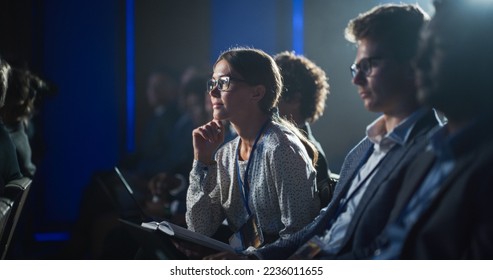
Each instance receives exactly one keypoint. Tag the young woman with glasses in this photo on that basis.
(263, 182)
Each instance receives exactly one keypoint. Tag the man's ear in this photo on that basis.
(259, 92)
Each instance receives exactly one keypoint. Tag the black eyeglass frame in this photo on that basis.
(222, 83)
(365, 65)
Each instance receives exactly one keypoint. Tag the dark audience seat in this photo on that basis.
(11, 205)
(326, 189)
(5, 210)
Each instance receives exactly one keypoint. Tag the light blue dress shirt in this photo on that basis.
(383, 142)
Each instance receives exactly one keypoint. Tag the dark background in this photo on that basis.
(81, 47)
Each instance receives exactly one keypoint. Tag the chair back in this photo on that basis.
(326, 189)
(5, 210)
(14, 196)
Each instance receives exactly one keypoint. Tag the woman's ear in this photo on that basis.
(259, 92)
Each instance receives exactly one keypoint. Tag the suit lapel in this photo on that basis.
(411, 183)
(387, 167)
(395, 158)
(351, 164)
(459, 169)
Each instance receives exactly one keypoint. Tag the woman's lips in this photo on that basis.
(216, 105)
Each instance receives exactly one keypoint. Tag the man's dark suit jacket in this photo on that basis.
(375, 205)
(459, 222)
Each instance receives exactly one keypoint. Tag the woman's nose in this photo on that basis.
(215, 92)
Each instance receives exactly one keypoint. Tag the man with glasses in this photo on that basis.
(387, 39)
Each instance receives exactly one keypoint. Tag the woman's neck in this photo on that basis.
(248, 132)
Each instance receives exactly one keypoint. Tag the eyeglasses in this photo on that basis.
(222, 83)
(365, 65)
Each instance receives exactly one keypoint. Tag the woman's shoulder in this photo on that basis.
(280, 138)
(228, 148)
(282, 134)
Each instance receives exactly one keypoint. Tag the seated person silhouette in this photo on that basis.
(160, 149)
(9, 165)
(303, 102)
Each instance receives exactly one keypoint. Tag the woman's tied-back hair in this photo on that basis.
(21, 95)
(397, 25)
(4, 78)
(304, 79)
(257, 68)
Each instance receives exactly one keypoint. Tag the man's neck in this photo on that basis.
(395, 118)
(391, 122)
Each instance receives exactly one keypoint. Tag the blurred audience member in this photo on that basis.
(163, 147)
(157, 150)
(303, 102)
(9, 165)
(17, 114)
(169, 189)
(444, 208)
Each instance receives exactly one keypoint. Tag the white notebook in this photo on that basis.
(188, 235)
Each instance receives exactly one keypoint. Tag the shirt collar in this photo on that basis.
(447, 145)
(377, 133)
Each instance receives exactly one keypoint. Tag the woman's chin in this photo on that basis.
(218, 116)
